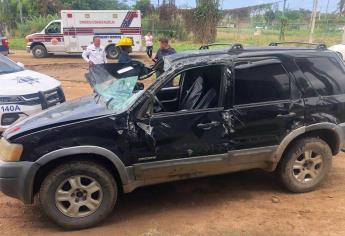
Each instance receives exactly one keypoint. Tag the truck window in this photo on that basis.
(262, 83)
(54, 28)
(325, 74)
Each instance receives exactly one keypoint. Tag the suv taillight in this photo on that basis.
(4, 42)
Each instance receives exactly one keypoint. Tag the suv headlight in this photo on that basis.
(10, 152)
(9, 99)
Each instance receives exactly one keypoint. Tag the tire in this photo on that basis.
(39, 51)
(69, 213)
(305, 165)
(113, 52)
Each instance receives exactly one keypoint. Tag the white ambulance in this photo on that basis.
(76, 29)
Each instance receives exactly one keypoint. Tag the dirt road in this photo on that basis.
(248, 203)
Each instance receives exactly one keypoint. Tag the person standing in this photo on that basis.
(164, 49)
(125, 44)
(149, 44)
(95, 53)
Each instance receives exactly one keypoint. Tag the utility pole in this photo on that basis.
(282, 24)
(312, 22)
(20, 6)
(284, 7)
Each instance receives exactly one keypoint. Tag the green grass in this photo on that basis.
(245, 36)
(17, 43)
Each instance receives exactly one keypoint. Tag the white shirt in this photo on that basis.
(96, 55)
(148, 40)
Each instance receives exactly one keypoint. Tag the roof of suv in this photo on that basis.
(244, 51)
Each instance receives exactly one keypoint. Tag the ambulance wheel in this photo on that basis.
(113, 52)
(39, 51)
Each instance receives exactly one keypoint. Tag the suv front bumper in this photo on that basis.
(16, 179)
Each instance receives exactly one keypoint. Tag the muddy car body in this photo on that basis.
(223, 111)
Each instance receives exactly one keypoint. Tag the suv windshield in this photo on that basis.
(115, 86)
(8, 66)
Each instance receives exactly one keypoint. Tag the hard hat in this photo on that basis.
(125, 42)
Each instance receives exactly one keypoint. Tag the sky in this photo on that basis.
(291, 4)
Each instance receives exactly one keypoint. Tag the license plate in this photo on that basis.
(10, 108)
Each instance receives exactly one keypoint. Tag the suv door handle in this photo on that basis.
(289, 115)
(208, 126)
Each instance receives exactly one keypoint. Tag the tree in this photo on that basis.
(341, 7)
(144, 6)
(269, 17)
(203, 20)
(95, 5)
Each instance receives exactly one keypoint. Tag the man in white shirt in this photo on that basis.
(149, 44)
(95, 53)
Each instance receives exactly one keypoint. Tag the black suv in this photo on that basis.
(210, 112)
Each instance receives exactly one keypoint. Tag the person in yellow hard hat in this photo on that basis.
(125, 45)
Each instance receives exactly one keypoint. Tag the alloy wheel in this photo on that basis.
(78, 196)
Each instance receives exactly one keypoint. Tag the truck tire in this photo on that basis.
(78, 194)
(39, 51)
(113, 52)
(305, 165)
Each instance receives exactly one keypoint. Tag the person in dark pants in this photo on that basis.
(149, 44)
(164, 50)
(125, 45)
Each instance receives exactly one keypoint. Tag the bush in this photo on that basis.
(34, 24)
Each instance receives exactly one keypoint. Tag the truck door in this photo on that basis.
(70, 33)
(263, 107)
(54, 41)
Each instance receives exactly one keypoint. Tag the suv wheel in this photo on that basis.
(39, 51)
(113, 52)
(78, 194)
(305, 165)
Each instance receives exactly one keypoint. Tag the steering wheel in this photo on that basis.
(159, 104)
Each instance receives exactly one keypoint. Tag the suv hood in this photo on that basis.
(26, 82)
(80, 109)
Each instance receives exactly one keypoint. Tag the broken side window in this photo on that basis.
(193, 89)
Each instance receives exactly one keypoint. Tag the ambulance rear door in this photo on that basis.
(70, 31)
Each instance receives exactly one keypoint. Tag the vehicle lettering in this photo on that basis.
(10, 108)
(27, 80)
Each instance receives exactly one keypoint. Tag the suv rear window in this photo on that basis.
(325, 74)
(262, 83)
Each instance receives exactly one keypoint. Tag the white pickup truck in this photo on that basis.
(76, 29)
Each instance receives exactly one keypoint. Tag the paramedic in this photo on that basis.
(95, 53)
(125, 45)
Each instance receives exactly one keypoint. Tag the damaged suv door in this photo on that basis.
(263, 103)
(194, 137)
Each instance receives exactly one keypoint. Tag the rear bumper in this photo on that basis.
(16, 179)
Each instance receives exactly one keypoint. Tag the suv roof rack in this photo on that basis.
(320, 46)
(207, 46)
(236, 46)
